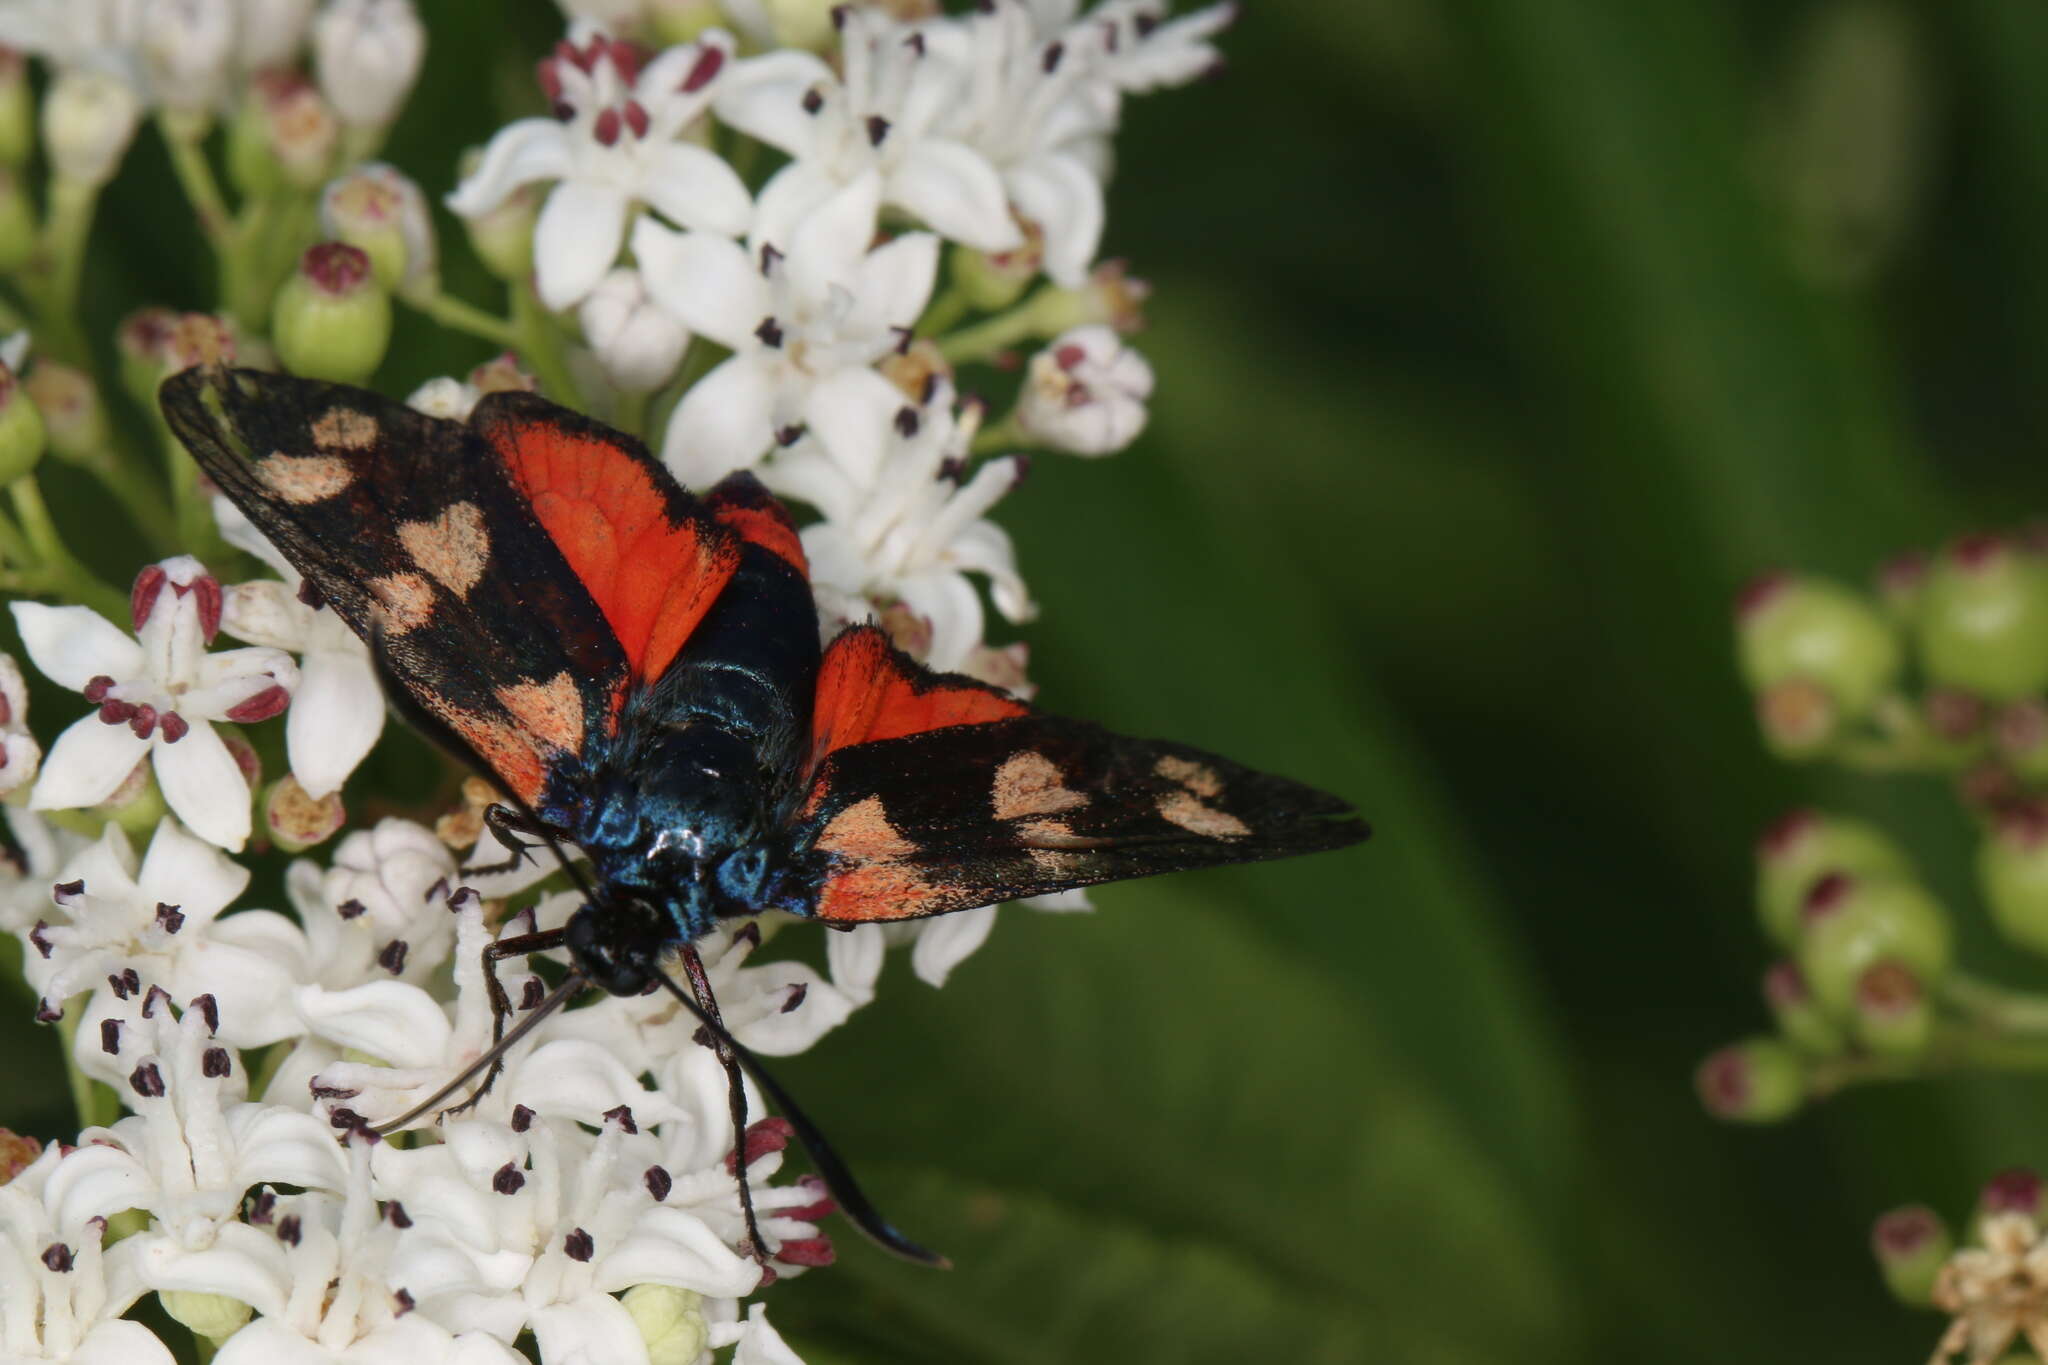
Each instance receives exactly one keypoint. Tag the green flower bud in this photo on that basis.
(1853, 923)
(1911, 1245)
(379, 209)
(140, 339)
(1901, 583)
(137, 805)
(296, 821)
(1759, 1080)
(1111, 296)
(1809, 630)
(212, 1316)
(17, 109)
(1894, 1017)
(17, 222)
(72, 412)
(1803, 1022)
(283, 137)
(996, 279)
(2012, 868)
(1798, 718)
(503, 236)
(2020, 734)
(671, 1322)
(1801, 848)
(1984, 620)
(332, 320)
(683, 21)
(21, 429)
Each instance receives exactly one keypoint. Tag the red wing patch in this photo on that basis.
(742, 504)
(626, 530)
(868, 690)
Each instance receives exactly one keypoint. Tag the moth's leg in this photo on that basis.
(736, 1101)
(506, 825)
(501, 1003)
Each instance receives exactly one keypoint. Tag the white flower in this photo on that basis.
(156, 696)
(1085, 393)
(757, 1342)
(796, 315)
(118, 931)
(271, 32)
(389, 889)
(89, 119)
(899, 523)
(194, 1144)
(25, 881)
(618, 143)
(637, 344)
(64, 1295)
(20, 755)
(445, 397)
(186, 45)
(366, 54)
(337, 710)
(877, 121)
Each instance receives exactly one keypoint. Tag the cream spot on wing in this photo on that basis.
(303, 479)
(552, 711)
(1185, 809)
(863, 831)
(405, 601)
(345, 429)
(1198, 778)
(1029, 783)
(453, 548)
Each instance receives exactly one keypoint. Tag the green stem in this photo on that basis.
(450, 311)
(15, 549)
(66, 232)
(540, 346)
(945, 311)
(70, 577)
(195, 177)
(1008, 432)
(1997, 1008)
(632, 414)
(1953, 1049)
(986, 339)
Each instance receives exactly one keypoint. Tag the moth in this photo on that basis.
(639, 669)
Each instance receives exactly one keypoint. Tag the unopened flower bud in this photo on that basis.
(271, 33)
(17, 222)
(17, 1153)
(378, 208)
(1800, 1018)
(1760, 1080)
(447, 398)
(502, 236)
(140, 340)
(1803, 846)
(671, 1322)
(1984, 620)
(137, 805)
(186, 46)
(996, 279)
(1798, 718)
(1817, 632)
(502, 373)
(89, 119)
(1894, 1017)
(17, 109)
(2017, 1189)
(283, 136)
(2012, 868)
(196, 339)
(1110, 298)
(637, 343)
(214, 1317)
(73, 415)
(1852, 923)
(1911, 1245)
(1086, 393)
(21, 429)
(683, 21)
(21, 758)
(332, 320)
(296, 821)
(367, 55)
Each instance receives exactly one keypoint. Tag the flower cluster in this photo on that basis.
(934, 218)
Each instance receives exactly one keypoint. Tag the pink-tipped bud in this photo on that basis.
(1757, 1081)
(1983, 619)
(1893, 1014)
(296, 821)
(1911, 1244)
(1826, 897)
(2012, 868)
(17, 1153)
(332, 320)
(2017, 1189)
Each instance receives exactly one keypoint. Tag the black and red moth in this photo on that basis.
(639, 669)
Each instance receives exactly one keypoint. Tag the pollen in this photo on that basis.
(303, 479)
(863, 831)
(452, 549)
(1029, 783)
(552, 711)
(345, 429)
(405, 601)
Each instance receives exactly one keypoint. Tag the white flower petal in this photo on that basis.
(697, 189)
(522, 152)
(851, 414)
(827, 246)
(286, 1147)
(90, 760)
(895, 283)
(592, 1330)
(764, 98)
(336, 715)
(1065, 199)
(189, 873)
(265, 612)
(576, 240)
(855, 960)
(957, 193)
(574, 1079)
(760, 1344)
(947, 941)
(670, 1246)
(723, 423)
(388, 1020)
(121, 1342)
(709, 283)
(204, 787)
(74, 645)
(790, 195)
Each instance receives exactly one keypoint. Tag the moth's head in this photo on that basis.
(618, 943)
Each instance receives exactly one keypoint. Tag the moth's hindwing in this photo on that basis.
(969, 811)
(412, 531)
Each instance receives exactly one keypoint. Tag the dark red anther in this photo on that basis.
(262, 706)
(824, 1207)
(158, 998)
(878, 128)
(401, 1303)
(747, 936)
(351, 908)
(708, 64)
(38, 940)
(173, 726)
(115, 712)
(627, 58)
(906, 422)
(768, 1275)
(563, 110)
(606, 129)
(395, 1211)
(839, 16)
(47, 1013)
(330, 1092)
(2015, 1190)
(147, 1081)
(636, 118)
(149, 584)
(343, 1119)
(1069, 358)
(580, 1246)
(1050, 62)
(110, 1037)
(532, 994)
(209, 1010)
(508, 1179)
(769, 332)
(288, 1229)
(549, 79)
(790, 435)
(770, 255)
(522, 1118)
(915, 42)
(97, 689)
(770, 1134)
(808, 1251)
(309, 593)
(215, 1063)
(263, 1207)
(659, 1183)
(392, 958)
(206, 588)
(56, 1258)
(814, 100)
(624, 1117)
(797, 992)
(143, 722)
(116, 984)
(1145, 23)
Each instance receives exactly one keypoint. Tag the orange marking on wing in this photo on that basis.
(654, 578)
(866, 692)
(505, 749)
(768, 528)
(877, 891)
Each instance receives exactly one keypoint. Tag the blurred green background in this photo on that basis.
(1498, 342)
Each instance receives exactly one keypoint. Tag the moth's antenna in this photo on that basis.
(571, 984)
(845, 1190)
